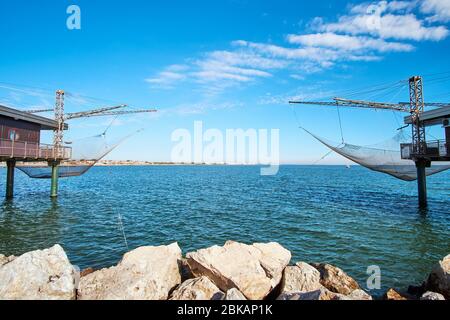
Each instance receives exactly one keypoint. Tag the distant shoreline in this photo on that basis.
(134, 163)
(112, 163)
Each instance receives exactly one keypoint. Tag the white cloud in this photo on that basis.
(388, 26)
(366, 33)
(383, 6)
(346, 42)
(249, 59)
(322, 56)
(440, 10)
(233, 67)
(308, 53)
(226, 68)
(170, 76)
(297, 77)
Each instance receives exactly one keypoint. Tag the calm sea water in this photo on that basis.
(352, 218)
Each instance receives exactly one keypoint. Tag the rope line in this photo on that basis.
(340, 122)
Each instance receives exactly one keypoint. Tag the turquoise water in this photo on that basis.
(352, 218)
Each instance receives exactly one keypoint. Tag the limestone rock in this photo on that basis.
(234, 294)
(320, 294)
(38, 275)
(197, 289)
(392, 294)
(324, 294)
(432, 296)
(359, 294)
(273, 258)
(300, 278)
(185, 270)
(146, 273)
(4, 259)
(253, 269)
(335, 279)
(439, 278)
(86, 272)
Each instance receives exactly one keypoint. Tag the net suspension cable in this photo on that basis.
(385, 158)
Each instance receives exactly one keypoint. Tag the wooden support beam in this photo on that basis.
(54, 181)
(422, 183)
(10, 164)
(447, 139)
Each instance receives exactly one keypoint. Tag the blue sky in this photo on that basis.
(230, 63)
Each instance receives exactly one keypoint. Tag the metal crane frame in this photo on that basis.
(415, 107)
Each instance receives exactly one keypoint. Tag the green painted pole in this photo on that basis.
(54, 186)
(422, 183)
(11, 164)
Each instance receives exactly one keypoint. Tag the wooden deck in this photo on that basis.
(30, 152)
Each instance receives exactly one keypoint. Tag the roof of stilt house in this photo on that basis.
(45, 123)
(432, 117)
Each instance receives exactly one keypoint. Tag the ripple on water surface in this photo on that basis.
(351, 218)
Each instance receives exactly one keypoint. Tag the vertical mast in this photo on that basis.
(416, 108)
(418, 137)
(59, 118)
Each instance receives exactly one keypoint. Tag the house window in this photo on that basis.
(13, 135)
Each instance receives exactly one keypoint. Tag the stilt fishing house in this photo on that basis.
(20, 140)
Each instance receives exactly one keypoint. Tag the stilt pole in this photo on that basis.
(422, 183)
(11, 164)
(54, 185)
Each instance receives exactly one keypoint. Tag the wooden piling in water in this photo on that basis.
(11, 164)
(422, 183)
(54, 182)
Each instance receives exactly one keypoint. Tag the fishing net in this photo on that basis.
(85, 154)
(382, 157)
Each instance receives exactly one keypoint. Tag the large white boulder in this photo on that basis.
(323, 293)
(300, 278)
(38, 275)
(146, 273)
(253, 269)
(197, 289)
(439, 278)
(4, 259)
(335, 279)
(359, 294)
(432, 296)
(234, 295)
(319, 294)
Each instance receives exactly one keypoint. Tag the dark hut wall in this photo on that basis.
(19, 130)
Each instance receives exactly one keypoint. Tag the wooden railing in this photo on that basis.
(31, 150)
(436, 148)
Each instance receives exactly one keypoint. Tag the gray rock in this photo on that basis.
(197, 289)
(4, 259)
(320, 294)
(335, 279)
(359, 294)
(300, 278)
(439, 278)
(146, 273)
(38, 275)
(234, 294)
(432, 296)
(253, 269)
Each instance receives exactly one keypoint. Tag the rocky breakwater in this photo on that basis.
(234, 271)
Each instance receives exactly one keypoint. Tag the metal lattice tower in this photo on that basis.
(416, 108)
(59, 117)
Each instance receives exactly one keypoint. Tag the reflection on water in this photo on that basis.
(351, 218)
